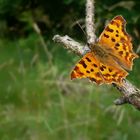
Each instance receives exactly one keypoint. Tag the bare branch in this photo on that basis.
(131, 94)
(90, 27)
(71, 44)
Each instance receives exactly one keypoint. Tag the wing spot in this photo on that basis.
(88, 59)
(114, 75)
(105, 35)
(115, 23)
(116, 47)
(87, 71)
(131, 57)
(113, 79)
(93, 79)
(107, 75)
(127, 53)
(82, 62)
(122, 39)
(126, 56)
(95, 65)
(113, 40)
(121, 52)
(73, 75)
(103, 66)
(81, 74)
(117, 44)
(97, 74)
(117, 31)
(117, 35)
(124, 47)
(109, 29)
(77, 70)
(91, 70)
(119, 18)
(110, 70)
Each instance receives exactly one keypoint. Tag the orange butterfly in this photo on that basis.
(109, 57)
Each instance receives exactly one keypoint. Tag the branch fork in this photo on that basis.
(130, 94)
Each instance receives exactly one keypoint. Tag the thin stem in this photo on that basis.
(48, 54)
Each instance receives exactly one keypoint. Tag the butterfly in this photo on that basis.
(111, 56)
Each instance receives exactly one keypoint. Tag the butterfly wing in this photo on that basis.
(112, 72)
(88, 67)
(116, 41)
(98, 71)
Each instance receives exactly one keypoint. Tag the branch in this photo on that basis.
(130, 94)
(71, 44)
(90, 27)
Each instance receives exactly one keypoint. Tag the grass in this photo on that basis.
(38, 101)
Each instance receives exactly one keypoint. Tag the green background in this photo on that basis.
(38, 101)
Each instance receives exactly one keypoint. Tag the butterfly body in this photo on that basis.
(99, 51)
(110, 56)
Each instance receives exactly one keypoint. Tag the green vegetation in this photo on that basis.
(38, 101)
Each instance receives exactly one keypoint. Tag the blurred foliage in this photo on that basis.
(38, 101)
(62, 16)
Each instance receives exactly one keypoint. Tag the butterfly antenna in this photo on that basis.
(77, 22)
